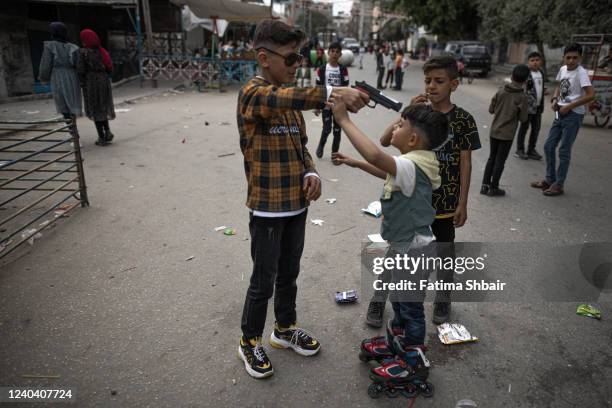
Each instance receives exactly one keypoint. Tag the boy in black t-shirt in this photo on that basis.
(455, 157)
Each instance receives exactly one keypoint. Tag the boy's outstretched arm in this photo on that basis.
(340, 158)
(266, 101)
(362, 143)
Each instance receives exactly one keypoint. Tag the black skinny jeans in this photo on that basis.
(276, 250)
(535, 122)
(328, 123)
(497, 159)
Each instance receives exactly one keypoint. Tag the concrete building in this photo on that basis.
(24, 26)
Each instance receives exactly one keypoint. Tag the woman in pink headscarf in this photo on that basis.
(94, 68)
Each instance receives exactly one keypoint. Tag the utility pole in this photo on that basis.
(146, 9)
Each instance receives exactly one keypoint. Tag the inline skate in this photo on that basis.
(406, 374)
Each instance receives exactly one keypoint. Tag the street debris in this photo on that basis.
(349, 296)
(374, 208)
(224, 123)
(31, 112)
(226, 154)
(229, 231)
(190, 258)
(376, 238)
(512, 229)
(317, 222)
(588, 311)
(465, 403)
(123, 110)
(330, 200)
(332, 180)
(344, 230)
(454, 333)
(131, 268)
(185, 127)
(220, 228)
(206, 123)
(184, 140)
(5, 245)
(32, 233)
(62, 210)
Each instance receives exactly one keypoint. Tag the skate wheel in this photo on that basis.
(364, 357)
(426, 389)
(392, 392)
(410, 392)
(375, 390)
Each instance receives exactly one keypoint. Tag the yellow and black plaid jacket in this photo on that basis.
(273, 141)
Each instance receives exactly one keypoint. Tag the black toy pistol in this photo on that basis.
(377, 96)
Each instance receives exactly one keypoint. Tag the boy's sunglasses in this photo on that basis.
(290, 59)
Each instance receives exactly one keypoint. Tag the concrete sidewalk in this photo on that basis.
(44, 108)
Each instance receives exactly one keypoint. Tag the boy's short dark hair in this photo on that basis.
(444, 62)
(335, 46)
(274, 32)
(534, 54)
(520, 73)
(432, 124)
(573, 47)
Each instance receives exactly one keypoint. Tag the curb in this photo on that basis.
(49, 95)
(127, 101)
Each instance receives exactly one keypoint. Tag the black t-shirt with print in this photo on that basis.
(462, 135)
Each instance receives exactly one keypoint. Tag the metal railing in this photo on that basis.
(206, 72)
(41, 178)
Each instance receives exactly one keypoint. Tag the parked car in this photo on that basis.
(437, 49)
(350, 43)
(454, 47)
(476, 59)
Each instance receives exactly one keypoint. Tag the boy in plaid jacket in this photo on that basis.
(282, 181)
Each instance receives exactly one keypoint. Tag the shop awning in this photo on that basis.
(230, 10)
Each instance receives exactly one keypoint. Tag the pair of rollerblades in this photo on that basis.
(403, 370)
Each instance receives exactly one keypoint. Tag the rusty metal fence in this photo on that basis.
(41, 178)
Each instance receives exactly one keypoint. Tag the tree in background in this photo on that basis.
(395, 30)
(449, 19)
(318, 21)
(549, 22)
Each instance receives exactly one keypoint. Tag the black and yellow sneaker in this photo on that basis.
(295, 338)
(256, 361)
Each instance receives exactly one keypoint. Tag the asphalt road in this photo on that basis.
(109, 302)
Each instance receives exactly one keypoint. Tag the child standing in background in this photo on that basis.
(509, 106)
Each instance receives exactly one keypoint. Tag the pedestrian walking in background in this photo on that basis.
(380, 67)
(390, 68)
(303, 75)
(399, 70)
(94, 69)
(58, 65)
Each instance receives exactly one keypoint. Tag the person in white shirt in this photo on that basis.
(534, 89)
(572, 94)
(331, 74)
